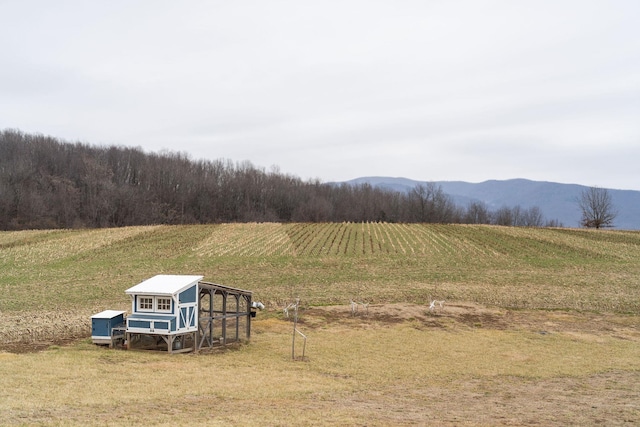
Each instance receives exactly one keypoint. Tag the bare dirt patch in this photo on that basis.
(469, 315)
(21, 333)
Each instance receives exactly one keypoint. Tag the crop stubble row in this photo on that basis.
(342, 239)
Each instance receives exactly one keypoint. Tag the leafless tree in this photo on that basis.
(430, 204)
(596, 208)
(533, 217)
(48, 183)
(503, 216)
(477, 213)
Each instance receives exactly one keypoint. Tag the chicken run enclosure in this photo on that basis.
(177, 314)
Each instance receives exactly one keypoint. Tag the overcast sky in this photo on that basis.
(428, 90)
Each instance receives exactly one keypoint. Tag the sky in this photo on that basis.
(430, 90)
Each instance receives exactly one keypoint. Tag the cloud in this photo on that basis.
(459, 90)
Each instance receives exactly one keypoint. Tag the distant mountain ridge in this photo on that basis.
(557, 201)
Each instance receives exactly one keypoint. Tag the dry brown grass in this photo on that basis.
(400, 365)
(540, 326)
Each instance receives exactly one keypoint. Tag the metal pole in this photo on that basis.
(293, 340)
(295, 329)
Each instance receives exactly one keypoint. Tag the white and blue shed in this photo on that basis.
(103, 324)
(178, 312)
(164, 304)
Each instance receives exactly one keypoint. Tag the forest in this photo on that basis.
(48, 183)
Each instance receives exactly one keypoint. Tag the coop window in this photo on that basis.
(163, 304)
(145, 303)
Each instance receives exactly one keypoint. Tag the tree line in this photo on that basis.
(46, 183)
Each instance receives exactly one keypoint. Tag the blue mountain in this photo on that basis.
(557, 201)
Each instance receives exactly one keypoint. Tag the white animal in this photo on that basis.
(432, 306)
(293, 305)
(355, 304)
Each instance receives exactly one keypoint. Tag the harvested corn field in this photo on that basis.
(537, 325)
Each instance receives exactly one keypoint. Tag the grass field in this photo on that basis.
(540, 326)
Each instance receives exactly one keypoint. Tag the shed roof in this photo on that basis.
(164, 284)
(107, 314)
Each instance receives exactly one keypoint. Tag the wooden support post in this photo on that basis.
(248, 333)
(224, 318)
(237, 317)
(211, 293)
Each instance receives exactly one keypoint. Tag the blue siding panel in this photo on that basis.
(160, 322)
(100, 328)
(139, 324)
(189, 295)
(161, 325)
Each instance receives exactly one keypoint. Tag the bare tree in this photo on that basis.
(49, 183)
(430, 204)
(477, 213)
(597, 208)
(533, 217)
(503, 216)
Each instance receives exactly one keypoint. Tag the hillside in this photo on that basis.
(557, 201)
(328, 263)
(536, 323)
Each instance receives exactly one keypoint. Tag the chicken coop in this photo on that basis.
(178, 314)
